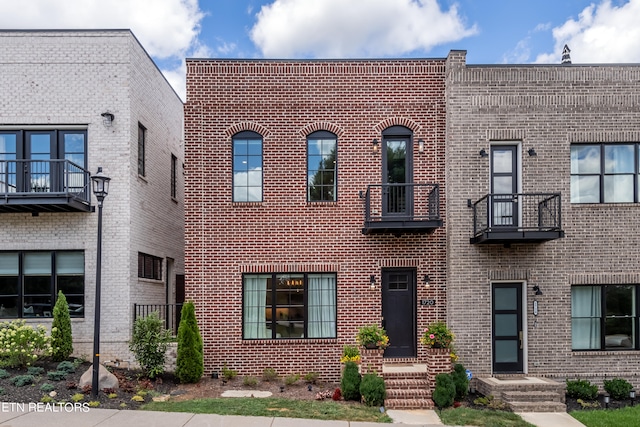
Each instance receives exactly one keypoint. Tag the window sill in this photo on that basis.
(598, 353)
(143, 179)
(150, 281)
(290, 341)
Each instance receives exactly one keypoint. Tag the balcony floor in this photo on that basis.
(516, 236)
(398, 227)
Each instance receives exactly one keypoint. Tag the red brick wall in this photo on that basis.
(284, 101)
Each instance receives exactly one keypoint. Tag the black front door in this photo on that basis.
(504, 186)
(507, 327)
(399, 312)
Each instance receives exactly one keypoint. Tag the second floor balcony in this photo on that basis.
(50, 185)
(402, 208)
(517, 218)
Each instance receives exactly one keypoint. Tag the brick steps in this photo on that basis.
(525, 394)
(407, 389)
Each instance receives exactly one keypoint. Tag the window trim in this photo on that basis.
(323, 135)
(275, 305)
(246, 135)
(156, 267)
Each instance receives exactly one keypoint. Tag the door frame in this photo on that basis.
(524, 354)
(412, 272)
(517, 175)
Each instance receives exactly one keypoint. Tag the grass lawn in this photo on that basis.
(627, 417)
(274, 407)
(482, 418)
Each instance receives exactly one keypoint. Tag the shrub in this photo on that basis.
(582, 389)
(249, 381)
(460, 380)
(337, 395)
(490, 402)
(190, 362)
(311, 377)
(445, 391)
(66, 366)
(77, 397)
(35, 370)
(228, 374)
(22, 380)
(291, 379)
(57, 375)
(618, 388)
(61, 339)
(350, 382)
(149, 344)
(350, 353)
(4, 374)
(46, 399)
(373, 390)
(22, 344)
(93, 404)
(46, 387)
(269, 374)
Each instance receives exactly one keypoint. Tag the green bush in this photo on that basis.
(46, 387)
(228, 373)
(4, 374)
(56, 375)
(149, 344)
(22, 344)
(291, 379)
(249, 381)
(373, 390)
(618, 388)
(582, 389)
(190, 361)
(35, 370)
(61, 339)
(269, 374)
(66, 366)
(311, 377)
(445, 391)
(350, 382)
(460, 380)
(22, 380)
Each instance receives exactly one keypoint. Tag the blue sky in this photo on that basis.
(491, 31)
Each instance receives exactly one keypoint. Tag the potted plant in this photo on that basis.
(372, 336)
(437, 335)
(350, 353)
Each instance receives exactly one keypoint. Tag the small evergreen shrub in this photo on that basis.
(35, 370)
(445, 391)
(618, 388)
(249, 381)
(291, 379)
(373, 390)
(46, 387)
(228, 374)
(56, 375)
(582, 389)
(4, 374)
(311, 377)
(460, 380)
(269, 374)
(66, 366)
(22, 380)
(350, 382)
(22, 344)
(190, 360)
(149, 344)
(61, 338)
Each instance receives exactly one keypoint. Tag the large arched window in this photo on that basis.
(247, 167)
(322, 167)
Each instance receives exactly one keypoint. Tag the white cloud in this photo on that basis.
(354, 28)
(603, 33)
(167, 29)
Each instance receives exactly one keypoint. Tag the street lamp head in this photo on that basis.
(100, 185)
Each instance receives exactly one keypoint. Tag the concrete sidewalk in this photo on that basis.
(13, 415)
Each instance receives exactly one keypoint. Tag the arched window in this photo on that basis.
(322, 167)
(247, 167)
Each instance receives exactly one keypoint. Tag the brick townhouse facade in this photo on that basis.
(542, 218)
(59, 91)
(314, 205)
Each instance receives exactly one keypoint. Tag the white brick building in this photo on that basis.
(55, 87)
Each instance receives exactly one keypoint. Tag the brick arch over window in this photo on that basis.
(313, 127)
(243, 126)
(396, 121)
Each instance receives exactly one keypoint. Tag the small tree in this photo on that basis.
(190, 361)
(445, 391)
(149, 344)
(460, 380)
(61, 339)
(350, 382)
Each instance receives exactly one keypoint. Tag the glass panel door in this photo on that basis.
(397, 197)
(38, 170)
(504, 186)
(507, 328)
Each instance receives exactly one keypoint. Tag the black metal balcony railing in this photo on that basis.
(402, 208)
(43, 185)
(169, 313)
(513, 218)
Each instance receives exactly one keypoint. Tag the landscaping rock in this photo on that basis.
(105, 379)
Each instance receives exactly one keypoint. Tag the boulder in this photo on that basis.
(105, 379)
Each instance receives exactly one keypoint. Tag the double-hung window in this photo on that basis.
(604, 317)
(247, 167)
(30, 281)
(285, 306)
(321, 167)
(149, 266)
(604, 173)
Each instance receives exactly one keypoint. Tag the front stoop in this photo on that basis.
(525, 394)
(407, 386)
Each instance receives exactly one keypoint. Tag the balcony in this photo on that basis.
(44, 186)
(517, 218)
(402, 209)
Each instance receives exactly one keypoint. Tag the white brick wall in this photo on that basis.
(71, 77)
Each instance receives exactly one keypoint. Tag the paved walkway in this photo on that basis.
(30, 415)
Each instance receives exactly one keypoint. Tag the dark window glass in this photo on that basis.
(174, 176)
(149, 266)
(142, 131)
(247, 167)
(321, 167)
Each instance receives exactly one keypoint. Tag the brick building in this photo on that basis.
(314, 205)
(542, 223)
(60, 90)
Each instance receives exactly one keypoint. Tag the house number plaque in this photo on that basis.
(427, 302)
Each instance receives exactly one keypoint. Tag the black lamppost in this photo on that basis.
(100, 189)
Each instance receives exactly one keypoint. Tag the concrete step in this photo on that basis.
(532, 396)
(547, 406)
